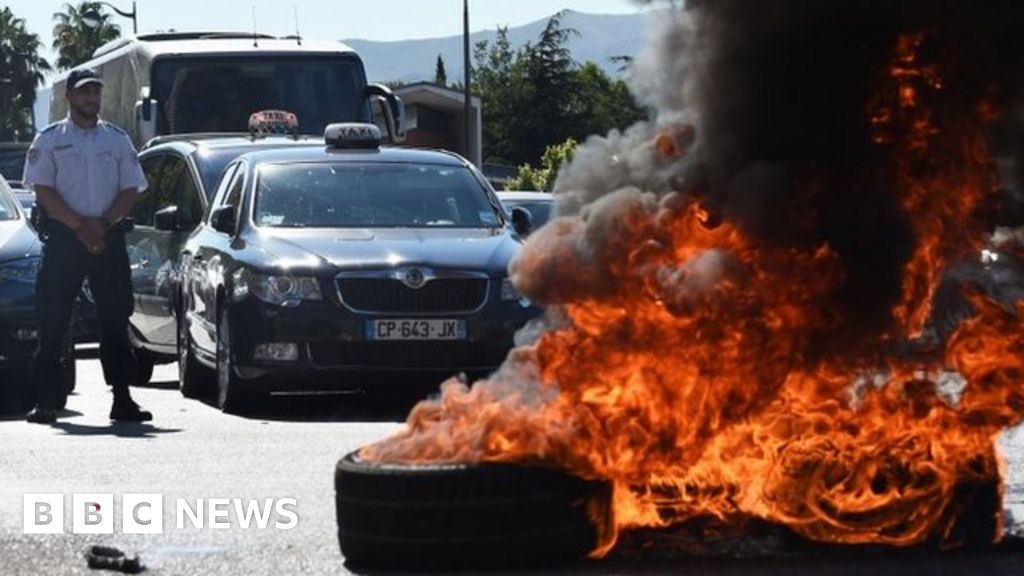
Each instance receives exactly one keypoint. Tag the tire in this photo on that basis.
(462, 516)
(234, 396)
(194, 379)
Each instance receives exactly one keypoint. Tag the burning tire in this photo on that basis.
(462, 516)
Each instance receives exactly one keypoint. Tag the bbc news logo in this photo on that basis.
(144, 513)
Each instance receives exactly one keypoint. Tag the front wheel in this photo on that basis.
(234, 395)
(193, 378)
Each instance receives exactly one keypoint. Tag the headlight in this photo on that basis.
(24, 270)
(280, 290)
(510, 294)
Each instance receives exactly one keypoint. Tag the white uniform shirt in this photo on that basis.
(87, 167)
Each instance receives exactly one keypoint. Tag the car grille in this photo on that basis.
(407, 355)
(441, 295)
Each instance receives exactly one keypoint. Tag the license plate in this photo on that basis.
(408, 329)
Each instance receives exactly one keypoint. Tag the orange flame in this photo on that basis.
(682, 360)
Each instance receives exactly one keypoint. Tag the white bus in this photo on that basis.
(204, 82)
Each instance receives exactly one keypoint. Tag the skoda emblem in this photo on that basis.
(414, 278)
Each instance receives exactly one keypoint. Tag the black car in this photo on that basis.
(182, 172)
(20, 252)
(324, 268)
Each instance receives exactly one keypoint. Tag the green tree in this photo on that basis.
(602, 103)
(440, 74)
(550, 70)
(538, 96)
(74, 40)
(500, 80)
(21, 71)
(542, 179)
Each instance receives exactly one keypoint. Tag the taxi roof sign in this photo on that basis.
(352, 135)
(266, 122)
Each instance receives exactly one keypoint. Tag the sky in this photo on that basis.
(323, 19)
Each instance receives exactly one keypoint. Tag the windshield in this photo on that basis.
(371, 195)
(8, 210)
(219, 94)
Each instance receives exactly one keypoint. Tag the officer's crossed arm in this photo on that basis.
(88, 230)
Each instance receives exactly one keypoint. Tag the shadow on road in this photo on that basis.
(119, 429)
(19, 413)
(351, 407)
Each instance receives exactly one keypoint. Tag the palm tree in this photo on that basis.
(74, 40)
(21, 70)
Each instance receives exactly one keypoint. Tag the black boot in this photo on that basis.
(125, 409)
(40, 415)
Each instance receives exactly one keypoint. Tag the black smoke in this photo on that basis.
(780, 93)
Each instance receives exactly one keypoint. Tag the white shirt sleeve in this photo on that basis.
(130, 174)
(40, 167)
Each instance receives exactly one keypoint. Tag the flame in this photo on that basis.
(682, 359)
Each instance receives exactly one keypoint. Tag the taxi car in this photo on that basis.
(182, 171)
(320, 268)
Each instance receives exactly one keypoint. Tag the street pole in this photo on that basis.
(467, 106)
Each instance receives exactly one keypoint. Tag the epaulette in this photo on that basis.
(116, 128)
(50, 127)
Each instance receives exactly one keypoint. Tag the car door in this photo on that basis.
(205, 265)
(175, 220)
(141, 242)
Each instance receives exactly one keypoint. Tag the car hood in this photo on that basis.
(484, 250)
(17, 240)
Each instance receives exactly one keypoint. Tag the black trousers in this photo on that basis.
(65, 264)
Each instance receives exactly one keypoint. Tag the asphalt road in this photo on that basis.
(191, 450)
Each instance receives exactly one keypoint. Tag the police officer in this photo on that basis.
(86, 177)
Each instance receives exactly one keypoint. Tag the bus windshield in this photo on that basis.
(218, 94)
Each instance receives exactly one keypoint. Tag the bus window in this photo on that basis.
(218, 94)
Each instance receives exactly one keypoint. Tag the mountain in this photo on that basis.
(600, 38)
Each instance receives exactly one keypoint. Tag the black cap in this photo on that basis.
(81, 77)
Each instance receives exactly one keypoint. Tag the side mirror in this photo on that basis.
(391, 108)
(522, 221)
(166, 219)
(224, 219)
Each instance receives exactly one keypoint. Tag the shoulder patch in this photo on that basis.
(33, 155)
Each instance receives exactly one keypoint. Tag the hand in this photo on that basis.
(90, 233)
